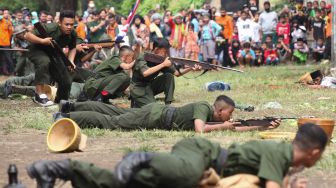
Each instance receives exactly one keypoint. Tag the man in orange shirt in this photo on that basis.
(81, 28)
(226, 22)
(327, 52)
(6, 32)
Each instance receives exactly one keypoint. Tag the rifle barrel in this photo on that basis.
(14, 49)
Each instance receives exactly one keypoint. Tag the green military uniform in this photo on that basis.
(151, 116)
(108, 76)
(189, 158)
(24, 85)
(95, 37)
(143, 89)
(45, 70)
(267, 160)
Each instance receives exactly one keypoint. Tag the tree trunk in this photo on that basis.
(58, 5)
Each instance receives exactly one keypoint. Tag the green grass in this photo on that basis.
(252, 88)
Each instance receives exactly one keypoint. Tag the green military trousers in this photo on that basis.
(95, 114)
(114, 84)
(47, 71)
(100, 107)
(20, 85)
(144, 94)
(182, 168)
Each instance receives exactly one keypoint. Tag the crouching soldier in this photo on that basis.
(110, 79)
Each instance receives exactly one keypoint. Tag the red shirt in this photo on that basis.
(283, 29)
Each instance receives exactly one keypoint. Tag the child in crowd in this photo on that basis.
(318, 26)
(269, 41)
(234, 52)
(220, 47)
(191, 46)
(246, 55)
(283, 28)
(257, 32)
(259, 56)
(300, 51)
(318, 50)
(283, 49)
(235, 35)
(271, 55)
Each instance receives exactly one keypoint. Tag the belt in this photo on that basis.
(169, 116)
(221, 160)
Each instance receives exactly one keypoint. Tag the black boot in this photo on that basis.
(46, 172)
(66, 106)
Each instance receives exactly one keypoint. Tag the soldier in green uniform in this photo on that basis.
(98, 26)
(185, 165)
(110, 79)
(192, 116)
(45, 71)
(146, 81)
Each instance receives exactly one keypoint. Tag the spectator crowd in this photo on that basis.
(248, 37)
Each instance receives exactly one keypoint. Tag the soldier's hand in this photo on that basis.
(274, 124)
(197, 67)
(299, 182)
(47, 41)
(167, 62)
(97, 47)
(81, 47)
(230, 125)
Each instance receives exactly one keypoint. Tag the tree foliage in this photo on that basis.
(121, 6)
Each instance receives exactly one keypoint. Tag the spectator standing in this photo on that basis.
(191, 43)
(268, 21)
(156, 29)
(226, 22)
(43, 16)
(112, 29)
(50, 18)
(6, 32)
(253, 7)
(209, 31)
(244, 26)
(329, 18)
(283, 28)
(191, 19)
(97, 27)
(140, 34)
(81, 28)
(18, 18)
(178, 32)
(257, 32)
(318, 26)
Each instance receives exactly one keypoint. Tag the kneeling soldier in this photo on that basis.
(110, 79)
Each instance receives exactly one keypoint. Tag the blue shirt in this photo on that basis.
(215, 30)
(243, 53)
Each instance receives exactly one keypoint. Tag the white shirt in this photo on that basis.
(256, 32)
(268, 22)
(245, 31)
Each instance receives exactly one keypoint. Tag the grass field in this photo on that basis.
(23, 125)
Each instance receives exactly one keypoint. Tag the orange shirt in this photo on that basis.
(81, 30)
(6, 32)
(112, 31)
(227, 23)
(329, 25)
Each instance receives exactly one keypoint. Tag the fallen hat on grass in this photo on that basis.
(65, 136)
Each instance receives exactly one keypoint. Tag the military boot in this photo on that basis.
(46, 172)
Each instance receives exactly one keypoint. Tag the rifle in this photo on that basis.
(153, 58)
(103, 43)
(51, 50)
(14, 49)
(266, 121)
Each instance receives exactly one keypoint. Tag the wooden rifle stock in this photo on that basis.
(153, 58)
